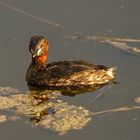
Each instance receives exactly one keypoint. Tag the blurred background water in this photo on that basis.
(19, 20)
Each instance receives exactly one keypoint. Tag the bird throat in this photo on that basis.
(40, 60)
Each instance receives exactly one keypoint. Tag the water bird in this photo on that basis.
(63, 74)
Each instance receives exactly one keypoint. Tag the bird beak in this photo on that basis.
(34, 55)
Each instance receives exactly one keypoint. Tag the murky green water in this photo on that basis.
(91, 17)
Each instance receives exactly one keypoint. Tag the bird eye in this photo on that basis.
(39, 51)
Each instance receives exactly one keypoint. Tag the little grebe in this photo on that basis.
(63, 73)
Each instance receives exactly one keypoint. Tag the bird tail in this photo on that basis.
(111, 72)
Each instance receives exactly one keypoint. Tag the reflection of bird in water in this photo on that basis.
(63, 74)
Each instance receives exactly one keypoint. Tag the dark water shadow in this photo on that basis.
(68, 90)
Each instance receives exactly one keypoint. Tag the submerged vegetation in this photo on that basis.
(44, 108)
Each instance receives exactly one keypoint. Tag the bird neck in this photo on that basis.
(40, 61)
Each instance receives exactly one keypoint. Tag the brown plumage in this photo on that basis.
(69, 74)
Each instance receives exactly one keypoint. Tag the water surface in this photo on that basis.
(91, 17)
